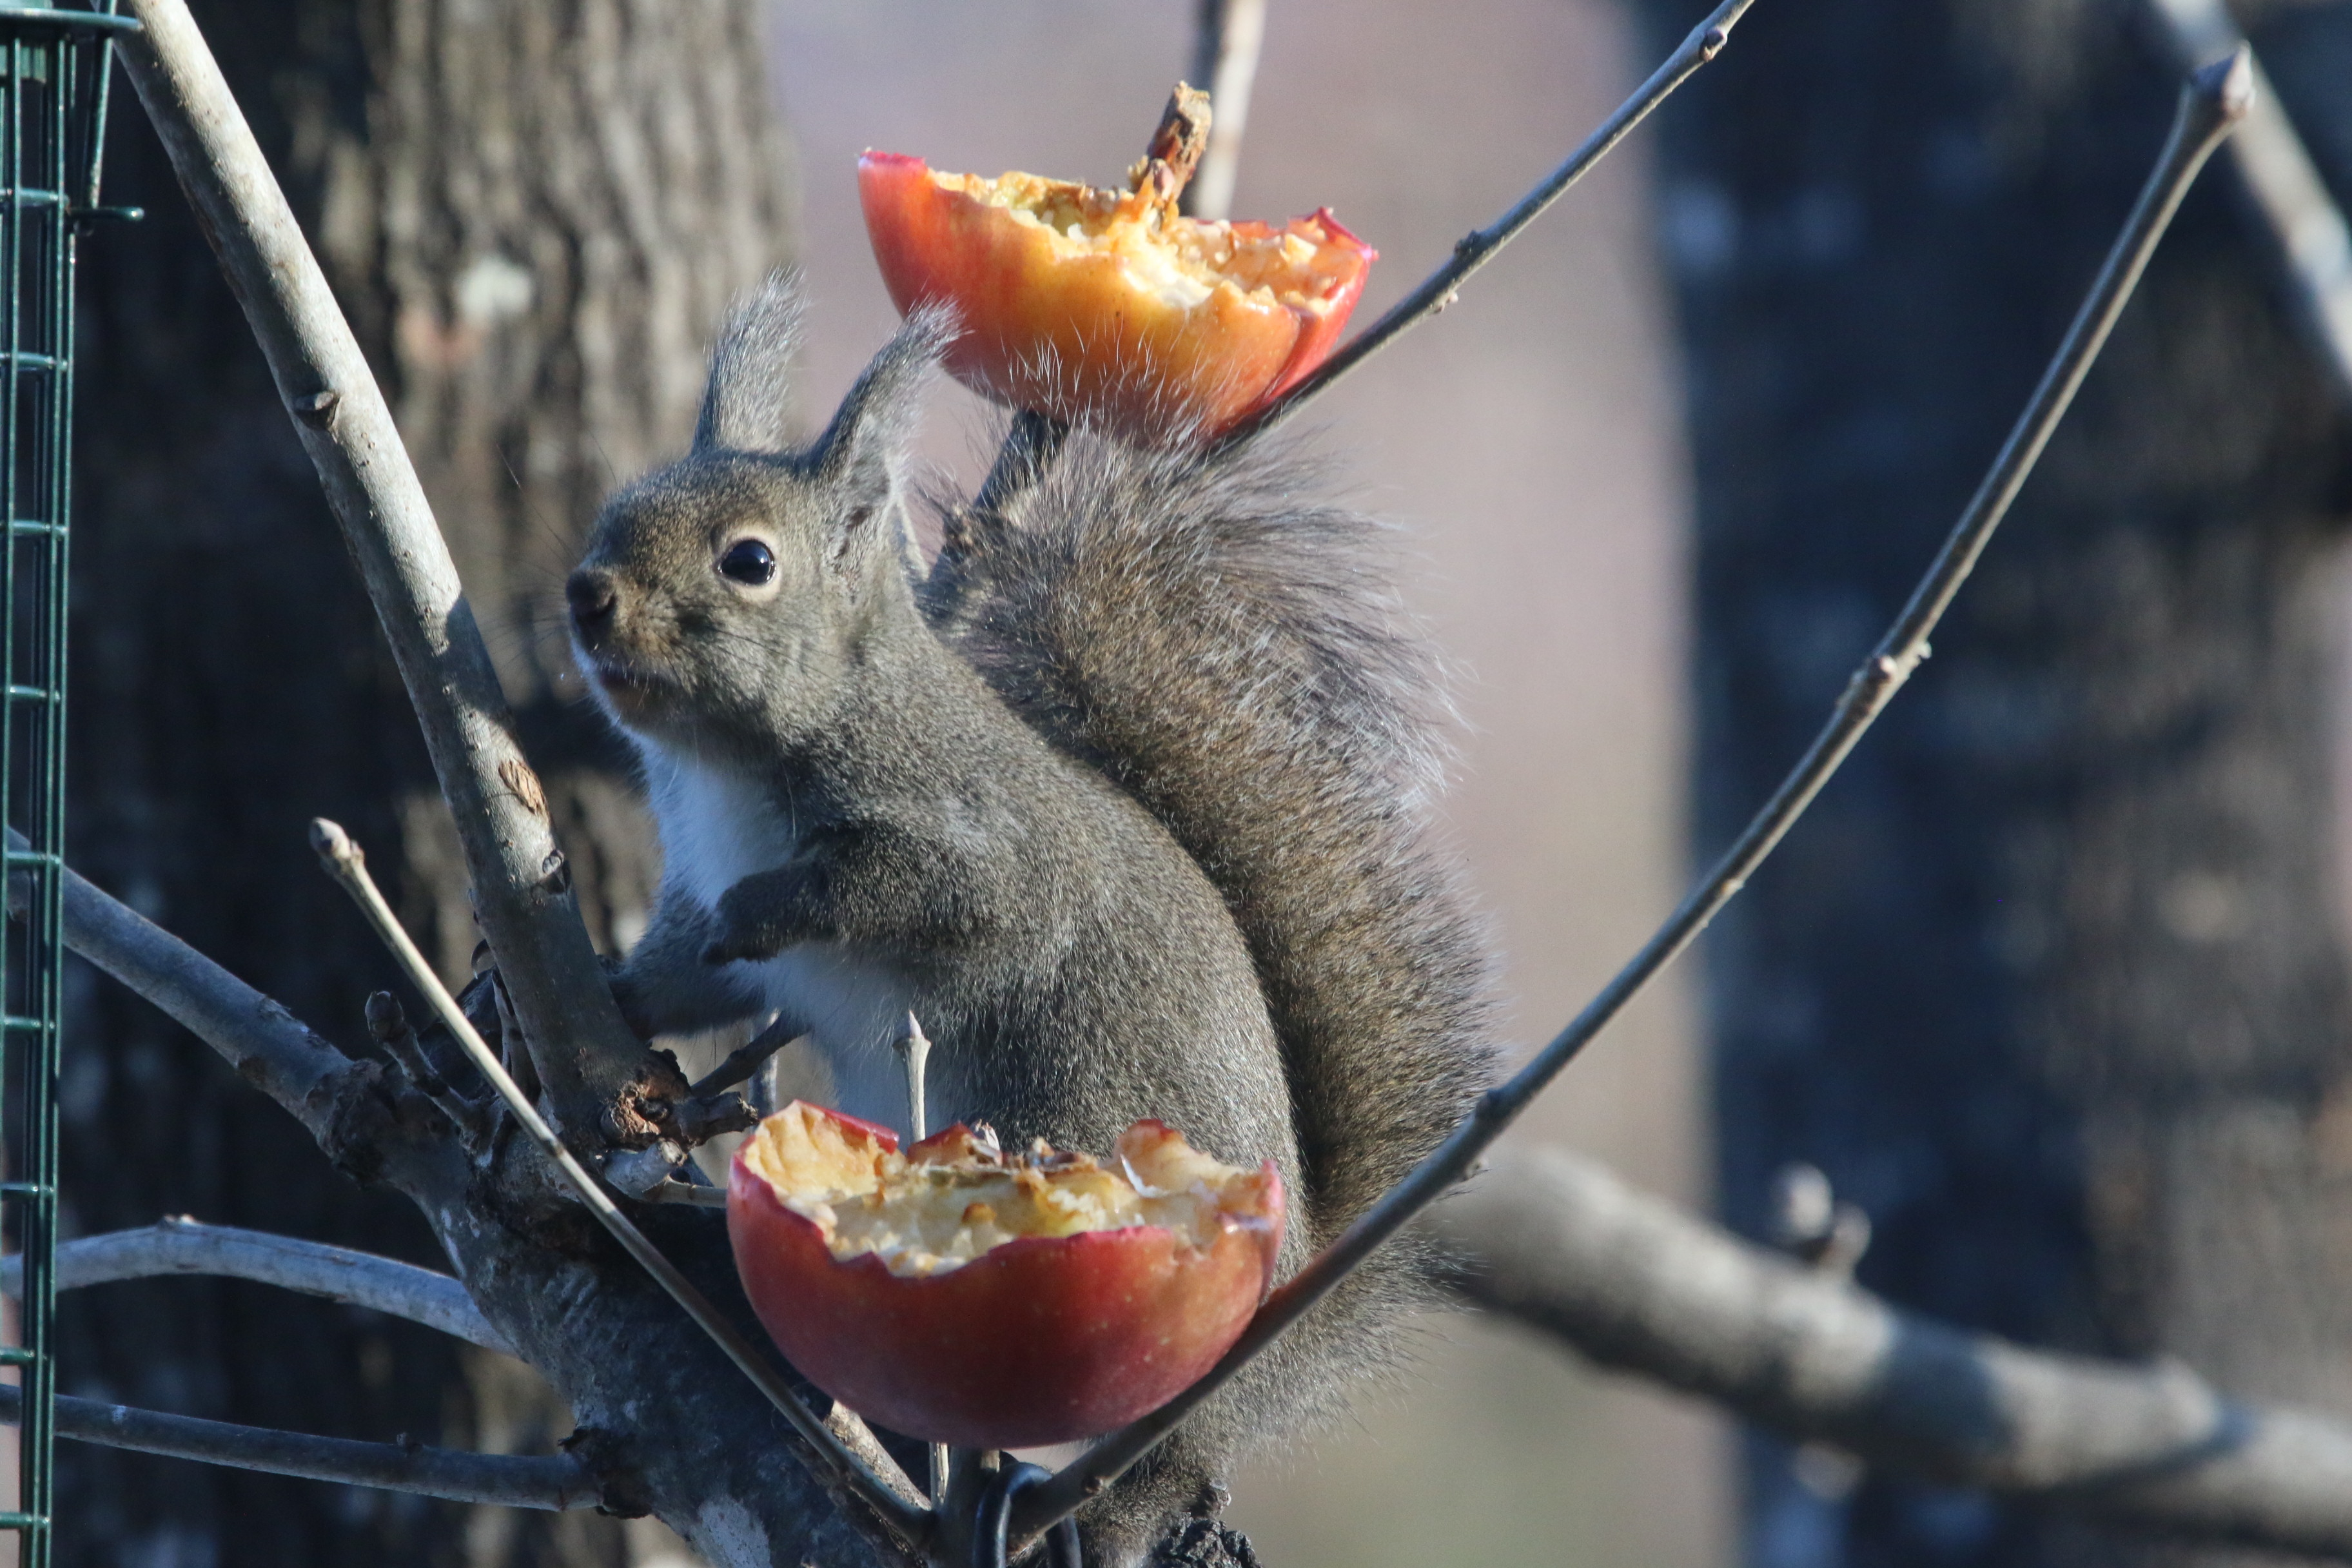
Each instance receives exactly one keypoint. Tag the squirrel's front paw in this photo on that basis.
(745, 945)
(750, 927)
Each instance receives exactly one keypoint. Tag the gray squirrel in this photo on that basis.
(1127, 801)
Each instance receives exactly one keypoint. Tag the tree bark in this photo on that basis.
(2050, 981)
(534, 215)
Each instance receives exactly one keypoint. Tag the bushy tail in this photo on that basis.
(1231, 654)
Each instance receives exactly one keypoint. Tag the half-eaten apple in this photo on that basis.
(1110, 304)
(962, 1294)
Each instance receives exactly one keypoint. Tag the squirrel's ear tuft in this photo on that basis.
(869, 434)
(743, 408)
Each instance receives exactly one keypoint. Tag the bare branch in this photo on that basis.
(746, 1059)
(2312, 237)
(610, 1344)
(2210, 105)
(1225, 60)
(887, 1492)
(182, 1246)
(555, 1482)
(267, 1046)
(1477, 248)
(1559, 1244)
(522, 892)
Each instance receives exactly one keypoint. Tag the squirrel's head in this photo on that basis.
(731, 594)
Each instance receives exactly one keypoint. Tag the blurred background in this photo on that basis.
(2050, 983)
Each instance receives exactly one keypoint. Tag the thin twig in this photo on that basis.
(182, 1246)
(2312, 235)
(2213, 101)
(1559, 1244)
(521, 890)
(555, 1482)
(1225, 45)
(1477, 248)
(746, 1059)
(894, 1500)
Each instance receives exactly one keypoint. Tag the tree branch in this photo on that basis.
(1225, 44)
(611, 1334)
(1477, 248)
(1223, 28)
(2210, 105)
(2312, 235)
(588, 1059)
(182, 1246)
(1560, 1245)
(745, 1060)
(555, 1482)
(887, 1492)
(269, 1046)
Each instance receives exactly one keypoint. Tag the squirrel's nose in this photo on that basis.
(594, 597)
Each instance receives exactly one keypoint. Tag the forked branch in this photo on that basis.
(870, 1475)
(2214, 100)
(686, 1454)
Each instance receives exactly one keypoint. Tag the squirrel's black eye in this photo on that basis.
(749, 562)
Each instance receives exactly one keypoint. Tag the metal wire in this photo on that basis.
(53, 66)
(994, 1517)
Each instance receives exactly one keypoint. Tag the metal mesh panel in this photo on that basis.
(53, 74)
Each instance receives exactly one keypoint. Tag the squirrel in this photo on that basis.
(1126, 800)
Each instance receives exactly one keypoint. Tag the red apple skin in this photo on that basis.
(1068, 335)
(1318, 336)
(1041, 1340)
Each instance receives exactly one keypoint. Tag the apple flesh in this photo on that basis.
(959, 1294)
(1109, 305)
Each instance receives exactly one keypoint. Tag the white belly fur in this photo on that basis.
(718, 827)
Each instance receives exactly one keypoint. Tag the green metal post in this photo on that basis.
(54, 62)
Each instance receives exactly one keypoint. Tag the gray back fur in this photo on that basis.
(1230, 652)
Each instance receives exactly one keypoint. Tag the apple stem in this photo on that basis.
(1175, 150)
(915, 1053)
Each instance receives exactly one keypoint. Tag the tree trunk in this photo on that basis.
(534, 215)
(2051, 981)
